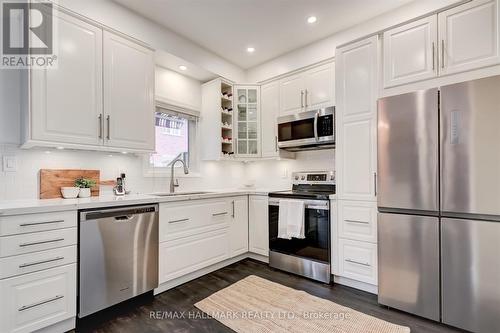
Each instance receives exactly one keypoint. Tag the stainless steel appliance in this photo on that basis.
(439, 203)
(118, 253)
(309, 257)
(307, 130)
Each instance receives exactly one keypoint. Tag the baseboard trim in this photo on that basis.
(258, 257)
(373, 289)
(62, 326)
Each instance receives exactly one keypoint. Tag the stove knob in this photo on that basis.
(303, 178)
(296, 177)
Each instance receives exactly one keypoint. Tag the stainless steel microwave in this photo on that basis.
(307, 130)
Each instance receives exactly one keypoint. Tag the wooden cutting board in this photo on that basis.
(51, 181)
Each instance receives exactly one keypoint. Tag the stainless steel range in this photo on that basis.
(309, 255)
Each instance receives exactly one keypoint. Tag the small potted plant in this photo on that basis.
(85, 185)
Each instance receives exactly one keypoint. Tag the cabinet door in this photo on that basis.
(259, 225)
(129, 91)
(66, 103)
(238, 227)
(410, 52)
(292, 91)
(247, 121)
(357, 220)
(358, 261)
(356, 70)
(270, 104)
(320, 87)
(469, 36)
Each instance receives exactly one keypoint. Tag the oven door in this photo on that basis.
(316, 244)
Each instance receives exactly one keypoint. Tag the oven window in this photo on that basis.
(315, 246)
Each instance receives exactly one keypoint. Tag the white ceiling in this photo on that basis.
(273, 27)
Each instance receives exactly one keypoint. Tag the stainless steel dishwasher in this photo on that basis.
(118, 255)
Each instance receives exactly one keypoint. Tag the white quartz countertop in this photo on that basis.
(16, 207)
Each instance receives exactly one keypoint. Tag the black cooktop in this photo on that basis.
(321, 192)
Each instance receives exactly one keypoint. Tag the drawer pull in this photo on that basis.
(356, 221)
(178, 221)
(40, 223)
(358, 262)
(26, 307)
(40, 262)
(219, 214)
(42, 242)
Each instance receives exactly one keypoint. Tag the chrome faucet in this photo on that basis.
(175, 182)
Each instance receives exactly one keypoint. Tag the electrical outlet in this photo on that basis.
(10, 163)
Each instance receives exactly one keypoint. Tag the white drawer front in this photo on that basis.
(183, 256)
(32, 262)
(193, 217)
(38, 241)
(358, 221)
(33, 301)
(358, 261)
(21, 224)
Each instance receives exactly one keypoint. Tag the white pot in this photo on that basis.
(84, 193)
(70, 192)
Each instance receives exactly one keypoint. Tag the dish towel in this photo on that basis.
(291, 219)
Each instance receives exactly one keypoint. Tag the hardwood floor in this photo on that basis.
(138, 315)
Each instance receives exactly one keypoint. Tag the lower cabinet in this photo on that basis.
(37, 300)
(358, 260)
(238, 226)
(258, 225)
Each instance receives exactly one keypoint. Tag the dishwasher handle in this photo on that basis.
(120, 214)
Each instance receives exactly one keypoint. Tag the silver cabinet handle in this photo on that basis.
(26, 307)
(40, 262)
(40, 223)
(232, 215)
(219, 214)
(433, 56)
(358, 262)
(108, 134)
(100, 126)
(276, 143)
(178, 221)
(302, 98)
(375, 190)
(41, 242)
(358, 222)
(305, 98)
(442, 53)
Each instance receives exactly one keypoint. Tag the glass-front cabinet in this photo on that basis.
(247, 102)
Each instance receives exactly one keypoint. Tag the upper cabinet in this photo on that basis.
(410, 52)
(129, 93)
(469, 36)
(270, 103)
(309, 90)
(247, 122)
(100, 97)
(460, 39)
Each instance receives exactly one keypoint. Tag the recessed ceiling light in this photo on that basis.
(250, 49)
(60, 148)
(182, 67)
(311, 19)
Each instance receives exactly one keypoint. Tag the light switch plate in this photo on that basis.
(10, 163)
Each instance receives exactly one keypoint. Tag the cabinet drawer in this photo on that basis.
(31, 262)
(358, 221)
(37, 300)
(183, 256)
(21, 224)
(38, 241)
(193, 217)
(358, 260)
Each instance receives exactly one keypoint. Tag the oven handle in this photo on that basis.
(309, 204)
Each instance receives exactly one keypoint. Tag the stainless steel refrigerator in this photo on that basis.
(439, 204)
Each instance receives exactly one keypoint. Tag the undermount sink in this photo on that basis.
(179, 193)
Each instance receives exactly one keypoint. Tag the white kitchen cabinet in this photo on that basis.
(356, 74)
(292, 94)
(238, 226)
(258, 225)
(358, 261)
(357, 220)
(469, 36)
(270, 103)
(320, 87)
(129, 94)
(410, 52)
(246, 121)
(66, 103)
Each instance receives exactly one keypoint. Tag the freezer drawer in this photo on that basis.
(471, 274)
(408, 151)
(408, 263)
(470, 148)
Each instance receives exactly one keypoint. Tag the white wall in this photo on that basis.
(10, 106)
(325, 49)
(174, 88)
